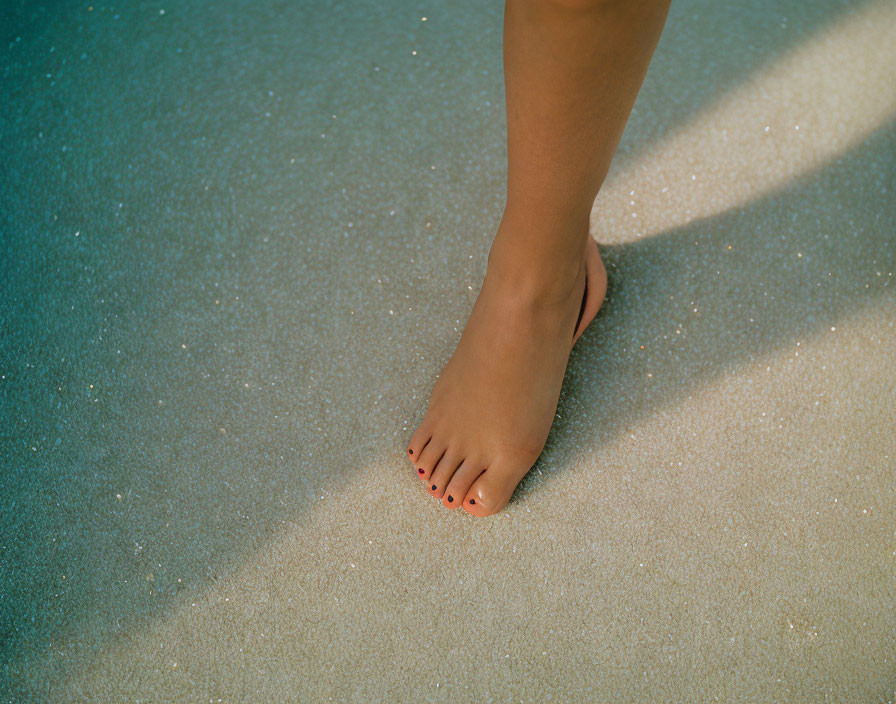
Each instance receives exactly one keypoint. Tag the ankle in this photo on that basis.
(545, 268)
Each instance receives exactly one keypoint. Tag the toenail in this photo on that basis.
(472, 501)
(420, 470)
(450, 499)
(433, 487)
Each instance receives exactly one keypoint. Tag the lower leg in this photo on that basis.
(572, 69)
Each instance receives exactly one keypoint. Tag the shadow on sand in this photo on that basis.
(156, 490)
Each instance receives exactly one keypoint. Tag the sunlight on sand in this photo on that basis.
(816, 103)
(302, 588)
(318, 582)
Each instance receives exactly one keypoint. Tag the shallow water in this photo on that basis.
(242, 239)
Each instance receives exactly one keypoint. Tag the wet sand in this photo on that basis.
(241, 241)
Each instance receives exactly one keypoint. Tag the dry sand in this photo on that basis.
(242, 238)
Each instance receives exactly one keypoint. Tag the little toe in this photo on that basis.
(493, 488)
(418, 441)
(429, 458)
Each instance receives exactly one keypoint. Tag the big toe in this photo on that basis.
(494, 487)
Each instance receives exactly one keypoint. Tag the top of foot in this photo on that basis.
(491, 410)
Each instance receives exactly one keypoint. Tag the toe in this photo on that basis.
(418, 441)
(429, 458)
(443, 472)
(461, 481)
(493, 488)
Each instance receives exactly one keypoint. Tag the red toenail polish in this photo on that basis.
(433, 487)
(420, 470)
(472, 501)
(450, 499)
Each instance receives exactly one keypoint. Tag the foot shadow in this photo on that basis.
(710, 297)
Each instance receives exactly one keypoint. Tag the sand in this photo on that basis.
(241, 239)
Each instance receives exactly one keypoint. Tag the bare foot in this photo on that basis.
(492, 407)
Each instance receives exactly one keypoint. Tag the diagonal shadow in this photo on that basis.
(171, 468)
(724, 293)
(759, 293)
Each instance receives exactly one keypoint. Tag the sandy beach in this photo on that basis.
(240, 241)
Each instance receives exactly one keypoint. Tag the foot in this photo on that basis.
(492, 407)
